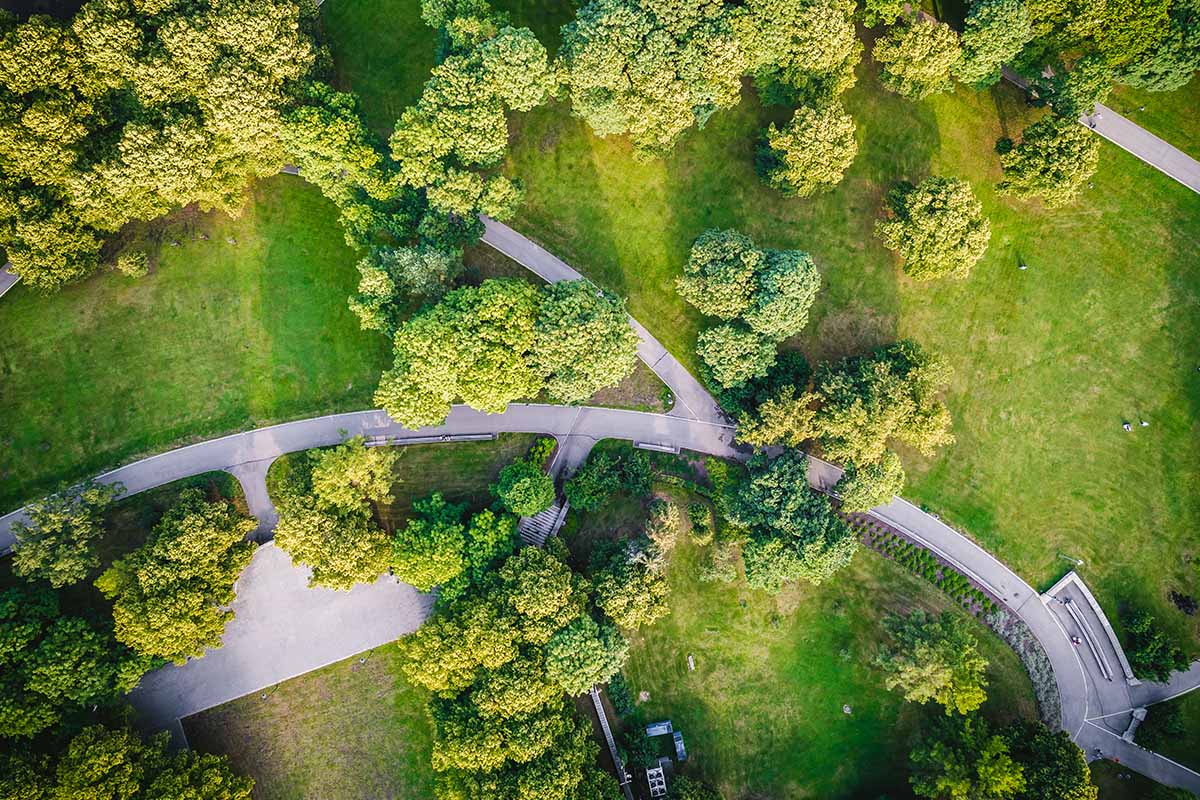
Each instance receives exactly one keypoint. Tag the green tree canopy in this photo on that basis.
(52, 663)
(524, 488)
(100, 762)
(1169, 63)
(429, 550)
(917, 57)
(937, 226)
(584, 654)
(865, 486)
(793, 532)
(584, 341)
(58, 543)
(892, 394)
(1153, 654)
(325, 516)
(171, 595)
(390, 273)
(811, 153)
(995, 31)
(1054, 766)
(935, 658)
(630, 585)
(732, 354)
(801, 53)
(963, 760)
(1052, 161)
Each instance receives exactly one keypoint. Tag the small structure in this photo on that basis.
(659, 728)
(657, 780)
(680, 750)
(1139, 716)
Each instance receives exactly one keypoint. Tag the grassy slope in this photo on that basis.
(762, 713)
(222, 336)
(347, 730)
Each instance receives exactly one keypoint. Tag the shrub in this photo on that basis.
(133, 263)
(524, 488)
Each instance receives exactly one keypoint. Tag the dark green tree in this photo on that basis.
(1153, 654)
(58, 543)
(962, 759)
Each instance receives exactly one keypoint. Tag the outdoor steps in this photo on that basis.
(537, 529)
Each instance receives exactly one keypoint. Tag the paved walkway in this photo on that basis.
(8, 279)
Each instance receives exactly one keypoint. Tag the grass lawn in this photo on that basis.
(1100, 329)
(762, 714)
(347, 730)
(1183, 748)
(461, 471)
(220, 337)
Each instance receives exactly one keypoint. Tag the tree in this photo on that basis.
(689, 789)
(964, 760)
(865, 486)
(1153, 655)
(650, 70)
(1171, 62)
(935, 658)
(663, 525)
(542, 592)
(352, 476)
(995, 31)
(787, 288)
(51, 663)
(606, 472)
(101, 762)
(1054, 158)
(630, 586)
(325, 516)
(584, 654)
(800, 53)
(58, 543)
(719, 277)
(793, 532)
(1077, 91)
(787, 418)
(584, 341)
(809, 154)
(429, 549)
(734, 354)
(937, 226)
(171, 595)
(391, 272)
(867, 401)
(524, 488)
(917, 57)
(1054, 766)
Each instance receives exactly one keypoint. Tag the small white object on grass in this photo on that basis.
(691, 663)
(846, 709)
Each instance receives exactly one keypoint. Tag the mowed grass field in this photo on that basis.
(1101, 328)
(221, 336)
(348, 730)
(762, 713)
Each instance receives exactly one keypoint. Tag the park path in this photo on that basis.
(8, 279)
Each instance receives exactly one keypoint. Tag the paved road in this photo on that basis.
(8, 279)
(281, 629)
(691, 398)
(1141, 143)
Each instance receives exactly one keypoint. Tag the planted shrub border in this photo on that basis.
(986, 607)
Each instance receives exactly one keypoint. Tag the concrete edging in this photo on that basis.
(1073, 579)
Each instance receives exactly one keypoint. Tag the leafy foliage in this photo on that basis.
(811, 153)
(605, 473)
(389, 273)
(524, 488)
(325, 517)
(663, 525)
(51, 663)
(584, 654)
(917, 58)
(937, 226)
(1054, 158)
(1054, 766)
(171, 595)
(935, 658)
(58, 543)
(1153, 655)
(866, 401)
(630, 584)
(733, 354)
(120, 115)
(101, 762)
(429, 549)
(690, 789)
(995, 31)
(491, 344)
(793, 532)
(865, 486)
(963, 760)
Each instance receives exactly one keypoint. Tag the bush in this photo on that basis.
(620, 696)
(1152, 653)
(663, 525)
(702, 531)
(606, 472)
(133, 263)
(722, 563)
(524, 488)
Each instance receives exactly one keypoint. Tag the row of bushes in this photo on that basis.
(924, 563)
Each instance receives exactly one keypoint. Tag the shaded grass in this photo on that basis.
(1183, 748)
(220, 337)
(762, 713)
(346, 730)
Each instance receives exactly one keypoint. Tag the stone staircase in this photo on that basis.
(536, 529)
